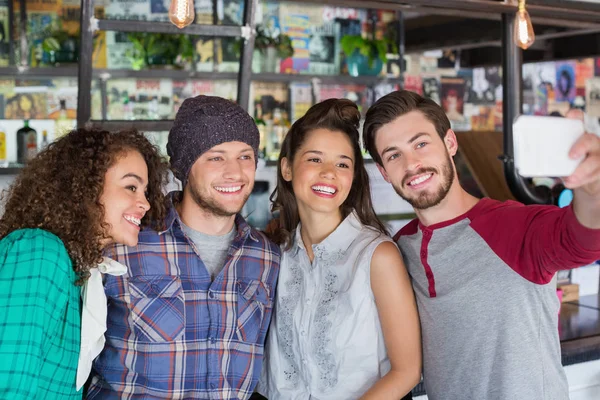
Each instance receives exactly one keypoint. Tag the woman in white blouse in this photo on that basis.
(345, 324)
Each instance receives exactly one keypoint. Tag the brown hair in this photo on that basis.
(394, 105)
(60, 189)
(336, 115)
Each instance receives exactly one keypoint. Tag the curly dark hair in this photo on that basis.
(60, 189)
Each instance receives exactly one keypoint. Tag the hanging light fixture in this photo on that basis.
(181, 12)
(523, 30)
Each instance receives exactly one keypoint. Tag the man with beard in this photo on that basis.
(482, 270)
(189, 318)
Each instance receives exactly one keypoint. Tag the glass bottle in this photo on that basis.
(63, 124)
(26, 143)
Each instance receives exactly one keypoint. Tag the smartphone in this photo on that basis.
(542, 145)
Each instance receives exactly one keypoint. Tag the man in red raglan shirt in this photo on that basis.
(482, 270)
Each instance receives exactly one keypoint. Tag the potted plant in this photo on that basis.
(272, 47)
(364, 56)
(160, 49)
(58, 45)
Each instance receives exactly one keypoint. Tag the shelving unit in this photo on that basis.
(86, 74)
(88, 24)
(106, 74)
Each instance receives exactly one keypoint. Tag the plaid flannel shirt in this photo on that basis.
(40, 318)
(172, 333)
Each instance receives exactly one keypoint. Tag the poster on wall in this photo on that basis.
(484, 119)
(431, 88)
(453, 92)
(467, 75)
(118, 48)
(414, 83)
(27, 104)
(356, 93)
(584, 70)
(528, 89)
(593, 97)
(597, 66)
(484, 91)
(323, 48)
(565, 82)
(300, 99)
(296, 23)
(136, 10)
(231, 12)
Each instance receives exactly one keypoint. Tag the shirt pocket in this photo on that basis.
(254, 303)
(157, 308)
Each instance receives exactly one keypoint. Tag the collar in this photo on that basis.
(93, 316)
(336, 243)
(244, 231)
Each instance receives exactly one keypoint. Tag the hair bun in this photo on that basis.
(347, 111)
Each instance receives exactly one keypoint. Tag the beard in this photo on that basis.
(210, 205)
(425, 199)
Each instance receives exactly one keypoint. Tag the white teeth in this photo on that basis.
(228, 189)
(133, 220)
(420, 180)
(324, 189)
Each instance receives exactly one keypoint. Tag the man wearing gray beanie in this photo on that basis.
(189, 318)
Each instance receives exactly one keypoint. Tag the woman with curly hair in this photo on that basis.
(89, 189)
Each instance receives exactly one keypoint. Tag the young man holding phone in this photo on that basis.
(482, 270)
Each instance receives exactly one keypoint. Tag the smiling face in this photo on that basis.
(222, 178)
(124, 198)
(416, 161)
(322, 172)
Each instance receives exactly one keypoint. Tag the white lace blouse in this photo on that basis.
(325, 339)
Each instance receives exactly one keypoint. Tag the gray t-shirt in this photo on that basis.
(212, 249)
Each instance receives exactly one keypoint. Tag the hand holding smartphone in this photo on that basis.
(542, 145)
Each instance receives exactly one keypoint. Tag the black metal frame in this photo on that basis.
(512, 107)
(86, 49)
(24, 53)
(245, 69)
(11, 29)
(167, 27)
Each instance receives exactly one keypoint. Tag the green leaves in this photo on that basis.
(370, 48)
(50, 44)
(148, 48)
(281, 42)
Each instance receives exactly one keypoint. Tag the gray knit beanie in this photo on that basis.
(203, 122)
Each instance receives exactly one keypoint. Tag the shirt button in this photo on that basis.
(211, 294)
(307, 301)
(213, 386)
(212, 339)
(303, 333)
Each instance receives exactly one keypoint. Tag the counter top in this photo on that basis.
(579, 330)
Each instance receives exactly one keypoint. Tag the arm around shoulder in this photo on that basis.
(400, 323)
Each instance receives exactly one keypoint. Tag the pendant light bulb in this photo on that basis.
(181, 13)
(523, 30)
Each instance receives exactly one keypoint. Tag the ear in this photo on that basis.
(383, 172)
(451, 142)
(286, 169)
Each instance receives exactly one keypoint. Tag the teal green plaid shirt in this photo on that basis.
(39, 319)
